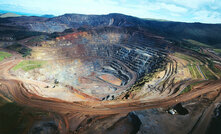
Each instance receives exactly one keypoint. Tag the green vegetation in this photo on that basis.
(191, 71)
(2, 101)
(25, 51)
(190, 87)
(217, 51)
(187, 58)
(148, 77)
(191, 44)
(192, 66)
(141, 82)
(207, 73)
(187, 89)
(197, 43)
(186, 45)
(213, 68)
(194, 71)
(27, 65)
(4, 55)
(15, 118)
(37, 39)
(11, 117)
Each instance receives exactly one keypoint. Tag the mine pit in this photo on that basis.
(96, 70)
(107, 74)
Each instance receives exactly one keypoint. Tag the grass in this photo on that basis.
(187, 58)
(37, 39)
(217, 51)
(146, 78)
(197, 43)
(196, 71)
(4, 55)
(138, 85)
(213, 68)
(27, 65)
(189, 87)
(192, 66)
(25, 51)
(207, 73)
(191, 71)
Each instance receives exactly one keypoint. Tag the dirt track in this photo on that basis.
(22, 95)
(14, 89)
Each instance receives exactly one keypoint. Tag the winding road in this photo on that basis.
(14, 89)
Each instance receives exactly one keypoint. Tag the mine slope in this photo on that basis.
(93, 73)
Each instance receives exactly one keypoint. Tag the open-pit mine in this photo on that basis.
(103, 74)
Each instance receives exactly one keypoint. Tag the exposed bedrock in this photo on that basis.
(60, 23)
(102, 63)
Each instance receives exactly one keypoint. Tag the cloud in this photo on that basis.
(58, 7)
(192, 3)
(158, 6)
(172, 8)
(177, 10)
(207, 16)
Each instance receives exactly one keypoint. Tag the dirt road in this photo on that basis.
(15, 90)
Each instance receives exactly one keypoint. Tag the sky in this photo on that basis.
(204, 11)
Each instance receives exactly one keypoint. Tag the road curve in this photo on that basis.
(16, 90)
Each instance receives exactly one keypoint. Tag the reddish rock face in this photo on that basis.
(98, 68)
(72, 36)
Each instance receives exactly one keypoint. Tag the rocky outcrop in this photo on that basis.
(205, 33)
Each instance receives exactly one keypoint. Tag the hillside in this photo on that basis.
(5, 15)
(204, 33)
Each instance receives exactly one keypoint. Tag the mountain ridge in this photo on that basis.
(205, 33)
(5, 15)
